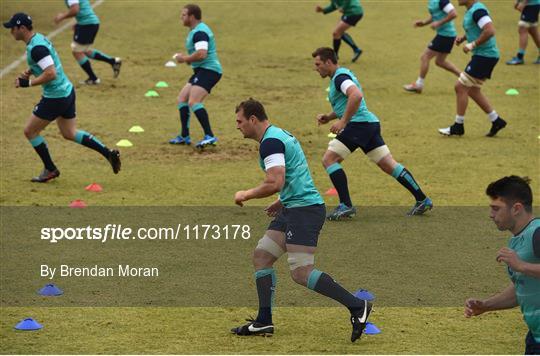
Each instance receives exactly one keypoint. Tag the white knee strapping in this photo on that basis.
(338, 147)
(526, 24)
(378, 153)
(469, 81)
(300, 259)
(77, 47)
(270, 246)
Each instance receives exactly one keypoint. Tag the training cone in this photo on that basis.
(50, 290)
(332, 135)
(136, 129)
(170, 64)
(77, 203)
(364, 294)
(94, 187)
(331, 191)
(512, 92)
(371, 329)
(151, 94)
(124, 143)
(162, 85)
(28, 325)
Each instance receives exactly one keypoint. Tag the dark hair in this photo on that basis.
(325, 53)
(252, 107)
(194, 10)
(28, 27)
(513, 189)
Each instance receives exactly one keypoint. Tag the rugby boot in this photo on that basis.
(253, 328)
(46, 176)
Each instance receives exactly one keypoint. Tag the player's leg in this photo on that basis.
(533, 31)
(32, 131)
(497, 123)
(464, 83)
(338, 32)
(203, 83)
(336, 153)
(183, 107)
(523, 39)
(351, 20)
(115, 62)
(442, 62)
(82, 40)
(425, 58)
(304, 225)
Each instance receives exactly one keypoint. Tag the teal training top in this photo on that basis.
(86, 15)
(533, 2)
(349, 7)
(528, 288)
(436, 9)
(338, 99)
(473, 31)
(203, 33)
(298, 189)
(37, 50)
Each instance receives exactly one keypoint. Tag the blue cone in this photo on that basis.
(50, 290)
(28, 325)
(364, 294)
(371, 329)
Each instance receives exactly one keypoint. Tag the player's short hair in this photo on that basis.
(194, 10)
(512, 189)
(325, 54)
(252, 107)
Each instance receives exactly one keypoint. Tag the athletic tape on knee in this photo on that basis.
(300, 259)
(378, 153)
(338, 147)
(469, 81)
(270, 246)
(77, 47)
(526, 24)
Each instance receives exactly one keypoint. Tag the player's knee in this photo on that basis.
(440, 62)
(266, 252)
(301, 275)
(300, 264)
(29, 133)
(328, 160)
(337, 35)
(193, 102)
(68, 135)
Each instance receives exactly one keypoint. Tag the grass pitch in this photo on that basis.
(265, 50)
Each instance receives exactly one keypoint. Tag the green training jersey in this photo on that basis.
(202, 37)
(528, 288)
(439, 9)
(533, 2)
(338, 99)
(349, 7)
(86, 15)
(41, 54)
(280, 148)
(473, 19)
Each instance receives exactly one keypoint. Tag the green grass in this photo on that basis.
(265, 49)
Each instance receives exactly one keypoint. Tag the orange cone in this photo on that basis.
(332, 192)
(94, 187)
(77, 203)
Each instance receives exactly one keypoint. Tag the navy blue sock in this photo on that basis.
(42, 150)
(266, 284)
(403, 176)
(521, 53)
(199, 111)
(337, 44)
(339, 180)
(183, 108)
(323, 284)
(88, 140)
(349, 40)
(87, 67)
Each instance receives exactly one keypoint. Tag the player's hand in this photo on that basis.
(418, 23)
(22, 83)
(511, 258)
(323, 119)
(435, 25)
(318, 9)
(469, 47)
(58, 18)
(519, 6)
(26, 74)
(474, 307)
(459, 40)
(240, 197)
(273, 209)
(338, 126)
(179, 57)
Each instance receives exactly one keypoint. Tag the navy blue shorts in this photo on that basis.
(442, 44)
(301, 225)
(51, 108)
(532, 347)
(85, 34)
(481, 67)
(205, 78)
(351, 19)
(366, 135)
(530, 13)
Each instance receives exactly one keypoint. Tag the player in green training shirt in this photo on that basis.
(356, 127)
(352, 13)
(441, 20)
(511, 209)
(202, 55)
(527, 25)
(480, 37)
(298, 219)
(85, 32)
(58, 99)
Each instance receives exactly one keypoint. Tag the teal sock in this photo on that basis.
(100, 56)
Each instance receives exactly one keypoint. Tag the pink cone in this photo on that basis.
(77, 203)
(94, 187)
(331, 191)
